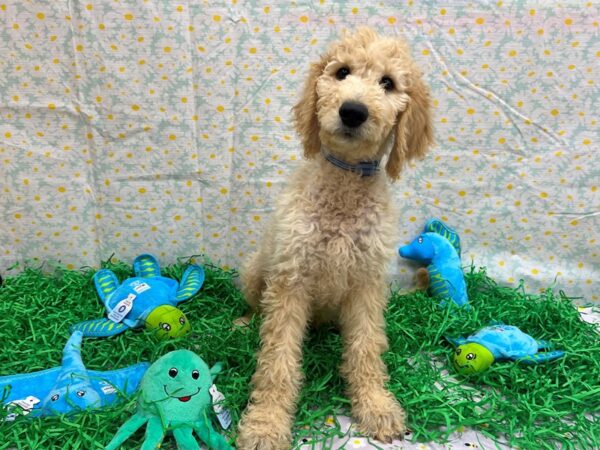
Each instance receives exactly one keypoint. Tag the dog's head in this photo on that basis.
(365, 92)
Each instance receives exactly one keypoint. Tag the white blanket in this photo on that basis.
(164, 127)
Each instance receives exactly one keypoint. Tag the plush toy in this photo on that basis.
(146, 299)
(174, 396)
(67, 388)
(439, 248)
(477, 352)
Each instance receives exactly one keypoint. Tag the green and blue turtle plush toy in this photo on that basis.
(438, 247)
(146, 299)
(477, 352)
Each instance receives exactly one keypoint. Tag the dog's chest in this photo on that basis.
(338, 219)
(347, 223)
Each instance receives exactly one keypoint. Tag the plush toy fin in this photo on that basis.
(72, 353)
(209, 436)
(543, 345)
(191, 282)
(542, 357)
(126, 430)
(185, 439)
(215, 370)
(99, 328)
(155, 433)
(125, 380)
(435, 225)
(146, 266)
(106, 283)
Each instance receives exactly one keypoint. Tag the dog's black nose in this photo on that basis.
(353, 114)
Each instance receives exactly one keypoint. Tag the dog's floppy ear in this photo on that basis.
(414, 131)
(305, 112)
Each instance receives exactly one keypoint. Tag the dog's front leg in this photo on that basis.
(267, 421)
(375, 409)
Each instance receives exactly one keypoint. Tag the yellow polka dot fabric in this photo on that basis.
(164, 127)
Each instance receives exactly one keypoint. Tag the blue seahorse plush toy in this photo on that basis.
(439, 248)
(68, 388)
(146, 299)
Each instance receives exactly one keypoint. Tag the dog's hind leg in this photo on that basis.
(252, 277)
(362, 324)
(266, 424)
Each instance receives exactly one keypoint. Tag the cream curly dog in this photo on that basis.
(324, 256)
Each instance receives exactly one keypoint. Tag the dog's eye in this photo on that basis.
(387, 84)
(342, 73)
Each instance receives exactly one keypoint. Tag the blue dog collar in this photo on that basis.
(364, 168)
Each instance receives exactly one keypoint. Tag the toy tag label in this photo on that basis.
(223, 414)
(122, 309)
(20, 407)
(108, 388)
(140, 287)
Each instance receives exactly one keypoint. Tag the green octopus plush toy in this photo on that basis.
(174, 397)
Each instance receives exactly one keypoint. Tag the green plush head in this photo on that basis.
(176, 386)
(471, 358)
(167, 322)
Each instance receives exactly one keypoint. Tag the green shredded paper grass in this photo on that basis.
(550, 405)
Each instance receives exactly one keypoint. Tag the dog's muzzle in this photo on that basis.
(353, 114)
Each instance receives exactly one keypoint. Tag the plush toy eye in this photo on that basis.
(342, 73)
(458, 351)
(471, 356)
(55, 397)
(195, 374)
(420, 240)
(165, 326)
(173, 372)
(80, 393)
(182, 320)
(387, 84)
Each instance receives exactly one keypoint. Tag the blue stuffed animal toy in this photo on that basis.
(497, 342)
(68, 388)
(146, 299)
(438, 247)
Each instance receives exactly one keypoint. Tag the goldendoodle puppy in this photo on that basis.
(325, 254)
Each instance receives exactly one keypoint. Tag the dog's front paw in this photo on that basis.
(380, 417)
(262, 429)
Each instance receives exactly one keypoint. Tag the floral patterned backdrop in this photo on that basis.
(164, 126)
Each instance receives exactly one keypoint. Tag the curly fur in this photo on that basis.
(324, 255)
